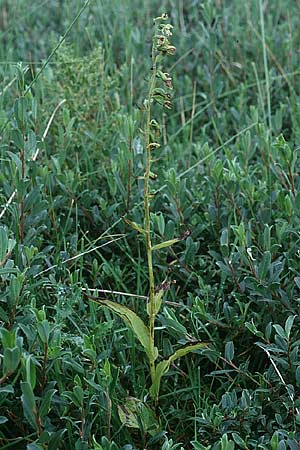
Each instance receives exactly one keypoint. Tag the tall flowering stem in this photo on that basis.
(159, 92)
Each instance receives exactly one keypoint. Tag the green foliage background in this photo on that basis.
(228, 173)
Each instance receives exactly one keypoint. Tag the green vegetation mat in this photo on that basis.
(79, 313)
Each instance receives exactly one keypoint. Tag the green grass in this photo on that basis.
(72, 163)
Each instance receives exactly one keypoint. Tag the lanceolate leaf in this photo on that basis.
(29, 405)
(157, 300)
(3, 243)
(132, 320)
(165, 244)
(46, 402)
(163, 367)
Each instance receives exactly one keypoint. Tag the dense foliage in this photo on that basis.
(72, 374)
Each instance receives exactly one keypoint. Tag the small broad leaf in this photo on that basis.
(229, 351)
(239, 441)
(288, 325)
(224, 268)
(8, 389)
(224, 243)
(46, 402)
(297, 281)
(20, 111)
(34, 446)
(77, 396)
(15, 287)
(252, 327)
(11, 359)
(3, 243)
(280, 331)
(226, 444)
(134, 322)
(8, 270)
(128, 412)
(274, 441)
(170, 321)
(30, 371)
(96, 445)
(9, 338)
(161, 224)
(29, 405)
(297, 374)
(198, 446)
(281, 445)
(163, 367)
(264, 266)
(16, 160)
(135, 414)
(18, 139)
(56, 439)
(44, 331)
(165, 244)
(224, 237)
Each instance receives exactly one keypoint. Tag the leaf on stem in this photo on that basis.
(29, 405)
(165, 244)
(163, 367)
(133, 321)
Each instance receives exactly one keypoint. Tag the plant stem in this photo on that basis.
(147, 196)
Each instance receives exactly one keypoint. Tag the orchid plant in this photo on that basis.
(159, 92)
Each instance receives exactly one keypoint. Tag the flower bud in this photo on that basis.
(154, 124)
(168, 104)
(171, 50)
(153, 145)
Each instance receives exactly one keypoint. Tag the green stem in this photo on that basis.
(151, 308)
